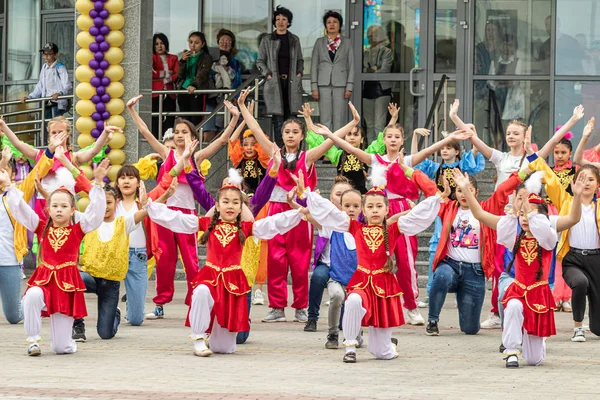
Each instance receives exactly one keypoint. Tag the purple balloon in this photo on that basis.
(96, 116)
(95, 133)
(104, 46)
(103, 14)
(95, 81)
(94, 30)
(93, 64)
(99, 56)
(105, 81)
(105, 30)
(106, 98)
(99, 38)
(107, 150)
(104, 64)
(100, 73)
(100, 125)
(99, 5)
(105, 115)
(98, 22)
(96, 99)
(94, 47)
(100, 108)
(93, 13)
(100, 90)
(106, 178)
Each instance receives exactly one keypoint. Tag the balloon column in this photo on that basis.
(99, 90)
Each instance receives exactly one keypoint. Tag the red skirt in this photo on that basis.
(538, 307)
(63, 290)
(383, 311)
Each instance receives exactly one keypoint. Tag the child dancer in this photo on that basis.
(219, 303)
(528, 302)
(400, 189)
(55, 288)
(284, 250)
(183, 200)
(373, 291)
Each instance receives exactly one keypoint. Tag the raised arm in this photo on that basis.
(176, 221)
(93, 215)
(278, 224)
(565, 222)
(236, 134)
(587, 133)
(478, 143)
(326, 214)
(267, 184)
(421, 217)
(425, 153)
(216, 144)
(143, 128)
(347, 147)
(548, 148)
(24, 148)
(252, 123)
(542, 230)
(84, 156)
(414, 145)
(20, 210)
(486, 218)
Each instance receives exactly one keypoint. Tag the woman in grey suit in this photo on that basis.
(332, 73)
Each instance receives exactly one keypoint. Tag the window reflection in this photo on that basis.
(61, 33)
(176, 19)
(446, 22)
(23, 44)
(57, 4)
(568, 95)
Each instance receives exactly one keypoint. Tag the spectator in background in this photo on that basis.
(54, 81)
(194, 74)
(164, 76)
(280, 61)
(332, 73)
(225, 51)
(403, 55)
(488, 50)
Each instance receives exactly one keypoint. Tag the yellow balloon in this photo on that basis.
(114, 21)
(84, 194)
(112, 172)
(84, 6)
(88, 171)
(115, 90)
(85, 139)
(82, 203)
(117, 141)
(85, 124)
(115, 106)
(114, 6)
(116, 120)
(114, 55)
(83, 73)
(114, 73)
(84, 39)
(85, 108)
(116, 156)
(115, 38)
(85, 22)
(85, 91)
(84, 56)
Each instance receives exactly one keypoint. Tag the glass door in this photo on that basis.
(58, 28)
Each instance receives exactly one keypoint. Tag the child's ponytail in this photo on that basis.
(389, 263)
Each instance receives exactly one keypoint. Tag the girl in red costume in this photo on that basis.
(373, 291)
(293, 249)
(528, 302)
(55, 289)
(182, 200)
(400, 190)
(219, 301)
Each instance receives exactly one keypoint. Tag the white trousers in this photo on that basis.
(534, 347)
(337, 294)
(221, 340)
(375, 114)
(61, 325)
(380, 339)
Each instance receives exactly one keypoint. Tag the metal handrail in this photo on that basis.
(442, 87)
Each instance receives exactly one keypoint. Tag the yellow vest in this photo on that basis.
(107, 260)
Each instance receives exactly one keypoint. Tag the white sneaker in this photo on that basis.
(201, 349)
(158, 313)
(327, 303)
(566, 306)
(301, 315)
(424, 304)
(259, 298)
(578, 335)
(414, 317)
(275, 315)
(34, 350)
(493, 322)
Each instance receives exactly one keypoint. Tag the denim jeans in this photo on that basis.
(468, 282)
(503, 283)
(10, 293)
(318, 283)
(108, 300)
(243, 336)
(136, 285)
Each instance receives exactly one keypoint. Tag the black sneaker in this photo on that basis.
(79, 332)
(432, 328)
(332, 341)
(311, 325)
(501, 348)
(124, 298)
(512, 361)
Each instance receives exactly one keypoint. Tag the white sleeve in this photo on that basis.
(20, 210)
(507, 231)
(176, 221)
(130, 224)
(554, 221)
(420, 217)
(277, 224)
(542, 230)
(326, 214)
(93, 215)
(496, 158)
(408, 161)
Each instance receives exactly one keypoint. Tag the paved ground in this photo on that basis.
(280, 361)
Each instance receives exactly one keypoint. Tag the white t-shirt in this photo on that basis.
(137, 238)
(506, 164)
(465, 237)
(7, 239)
(183, 196)
(584, 234)
(107, 229)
